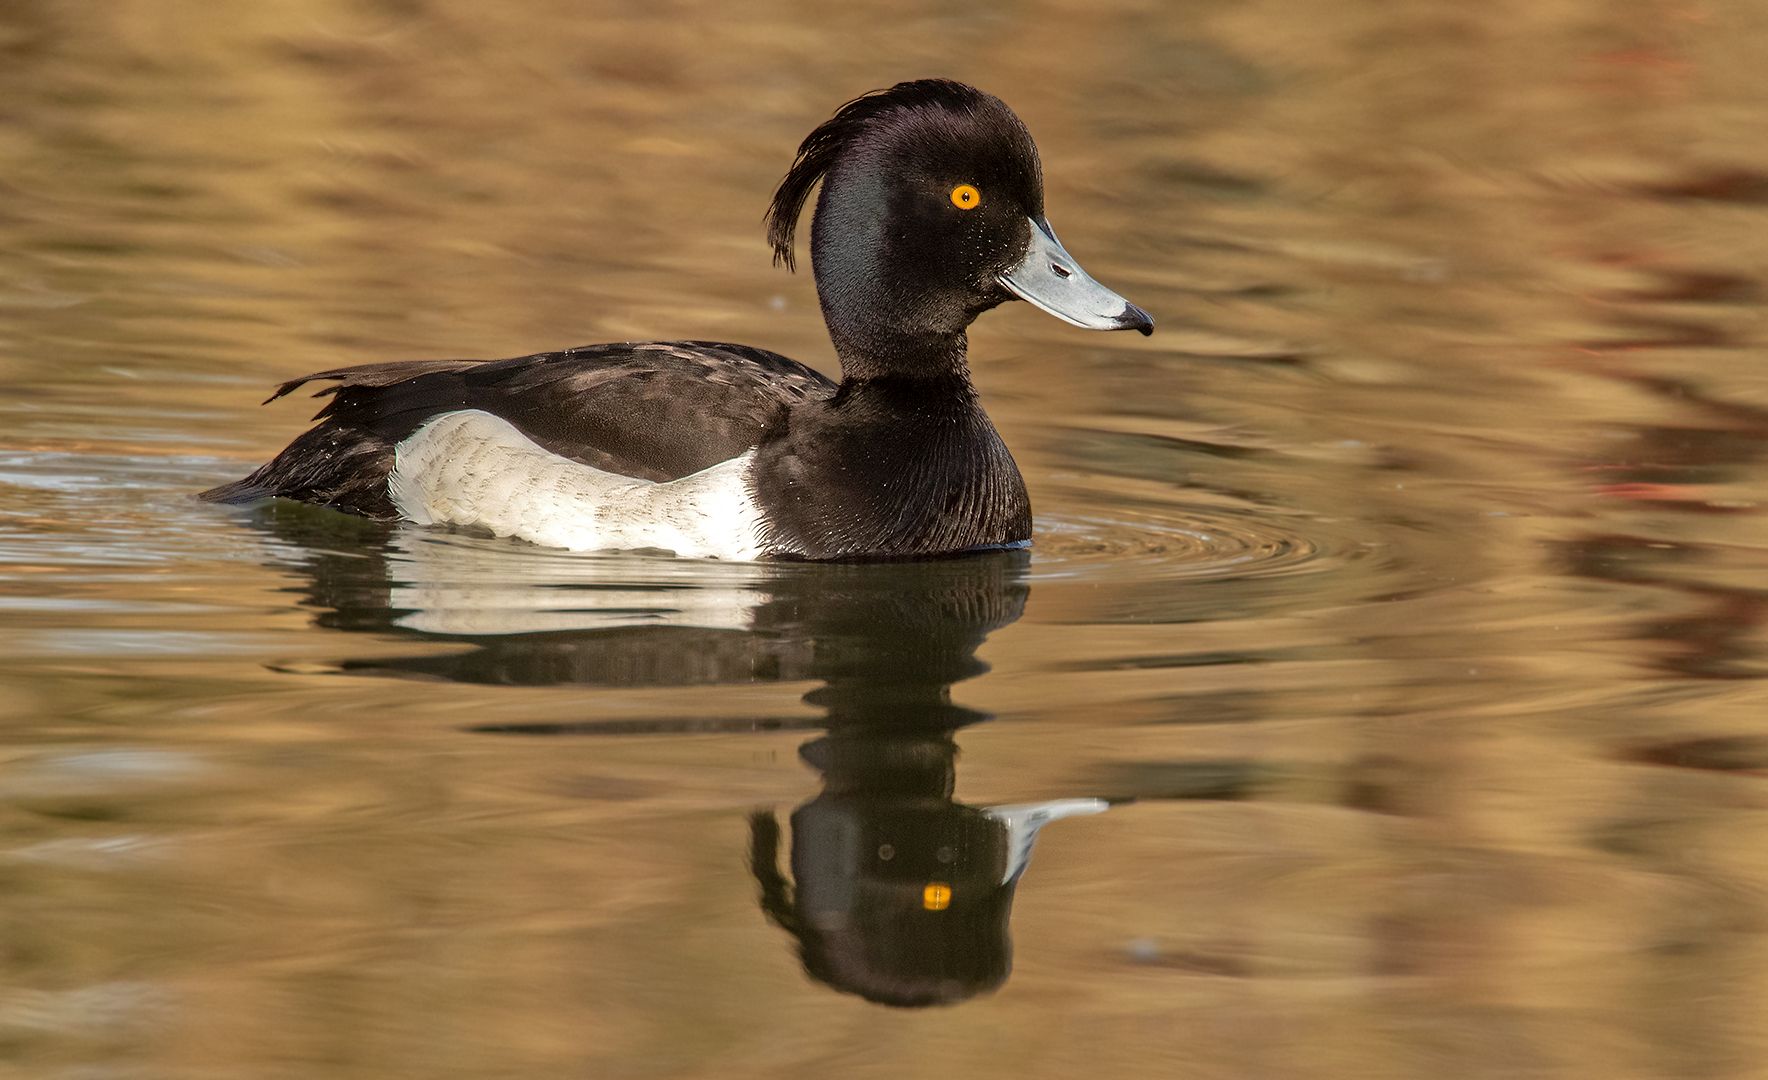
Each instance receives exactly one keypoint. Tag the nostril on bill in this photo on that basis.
(1061, 271)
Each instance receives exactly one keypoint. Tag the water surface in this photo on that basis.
(1398, 613)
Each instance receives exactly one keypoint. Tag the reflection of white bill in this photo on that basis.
(1023, 820)
(464, 586)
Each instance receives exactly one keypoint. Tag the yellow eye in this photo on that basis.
(966, 197)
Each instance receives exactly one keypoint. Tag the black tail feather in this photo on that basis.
(331, 465)
(237, 492)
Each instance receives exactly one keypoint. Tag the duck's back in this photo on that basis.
(652, 411)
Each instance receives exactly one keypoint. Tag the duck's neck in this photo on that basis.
(945, 400)
(873, 349)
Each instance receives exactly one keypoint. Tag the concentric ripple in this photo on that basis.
(1182, 541)
(1203, 559)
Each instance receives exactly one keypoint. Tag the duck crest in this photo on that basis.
(836, 137)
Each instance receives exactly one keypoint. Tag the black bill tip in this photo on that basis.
(1134, 318)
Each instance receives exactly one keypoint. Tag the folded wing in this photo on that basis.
(650, 410)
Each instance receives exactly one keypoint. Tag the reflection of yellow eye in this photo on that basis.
(966, 197)
(937, 896)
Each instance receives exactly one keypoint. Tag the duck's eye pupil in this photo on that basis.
(966, 197)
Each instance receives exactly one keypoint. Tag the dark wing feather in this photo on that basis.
(651, 410)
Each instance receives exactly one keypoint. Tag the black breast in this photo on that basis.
(892, 467)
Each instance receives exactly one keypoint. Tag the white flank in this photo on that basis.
(473, 468)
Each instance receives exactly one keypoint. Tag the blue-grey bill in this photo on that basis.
(1050, 279)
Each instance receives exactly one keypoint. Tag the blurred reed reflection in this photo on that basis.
(898, 892)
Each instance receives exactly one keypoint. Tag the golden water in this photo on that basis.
(1407, 593)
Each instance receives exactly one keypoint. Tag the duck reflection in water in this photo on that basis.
(897, 891)
(902, 893)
